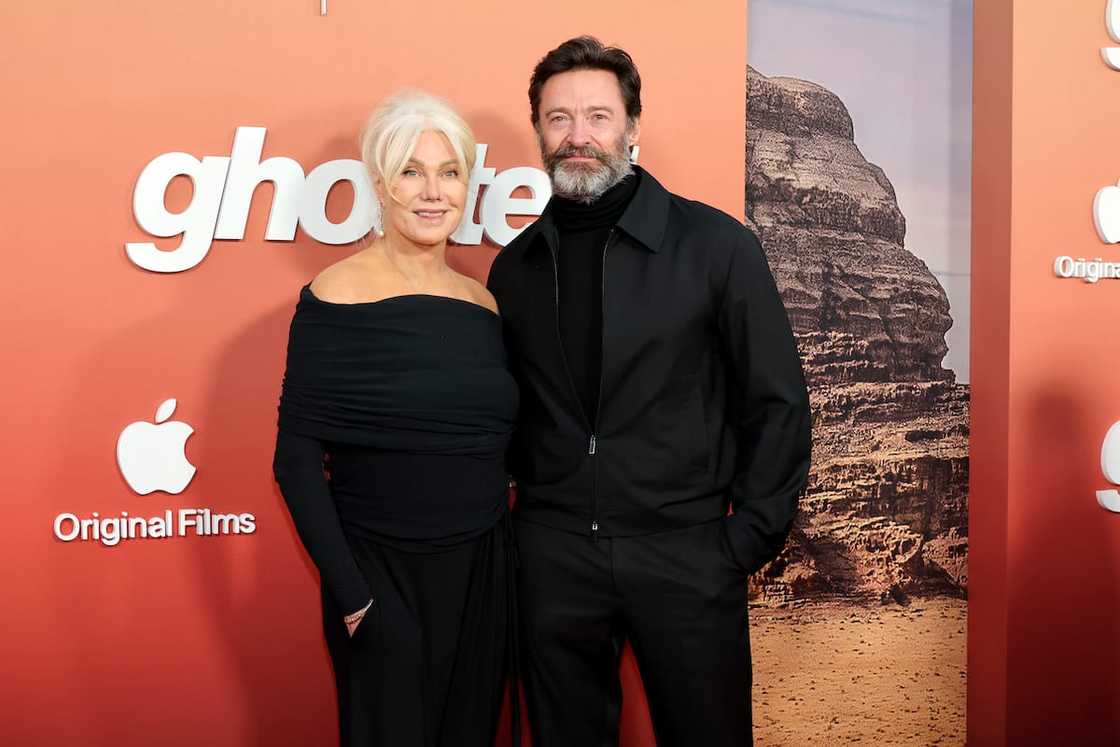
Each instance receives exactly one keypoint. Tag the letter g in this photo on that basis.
(196, 223)
(1110, 466)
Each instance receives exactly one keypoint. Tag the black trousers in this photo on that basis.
(681, 601)
(427, 665)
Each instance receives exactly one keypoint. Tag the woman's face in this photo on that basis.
(425, 203)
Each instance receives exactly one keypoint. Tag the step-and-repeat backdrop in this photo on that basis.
(150, 285)
(1044, 664)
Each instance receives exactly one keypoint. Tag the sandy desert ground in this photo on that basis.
(837, 674)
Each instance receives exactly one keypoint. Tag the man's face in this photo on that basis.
(584, 133)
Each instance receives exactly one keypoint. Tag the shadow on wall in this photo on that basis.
(1059, 541)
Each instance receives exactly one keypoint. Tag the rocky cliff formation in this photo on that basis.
(885, 513)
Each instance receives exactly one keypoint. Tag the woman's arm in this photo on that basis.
(298, 467)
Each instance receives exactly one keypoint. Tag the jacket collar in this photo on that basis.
(644, 219)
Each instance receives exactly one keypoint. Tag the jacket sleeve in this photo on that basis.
(769, 408)
(298, 467)
(497, 287)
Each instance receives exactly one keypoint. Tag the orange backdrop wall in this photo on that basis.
(216, 640)
(1044, 563)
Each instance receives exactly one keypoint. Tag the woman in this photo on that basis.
(394, 417)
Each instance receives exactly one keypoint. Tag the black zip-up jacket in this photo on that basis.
(702, 402)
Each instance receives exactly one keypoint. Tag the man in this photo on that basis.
(660, 384)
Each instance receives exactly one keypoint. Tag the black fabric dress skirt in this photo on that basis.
(395, 417)
(427, 665)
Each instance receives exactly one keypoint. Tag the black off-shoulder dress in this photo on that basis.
(394, 420)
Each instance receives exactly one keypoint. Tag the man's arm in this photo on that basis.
(496, 283)
(769, 407)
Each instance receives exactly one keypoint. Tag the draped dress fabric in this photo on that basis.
(394, 420)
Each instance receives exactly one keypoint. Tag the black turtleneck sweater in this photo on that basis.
(584, 231)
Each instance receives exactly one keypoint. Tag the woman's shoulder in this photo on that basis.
(361, 278)
(479, 294)
(346, 281)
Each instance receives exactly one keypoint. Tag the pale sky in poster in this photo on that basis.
(904, 70)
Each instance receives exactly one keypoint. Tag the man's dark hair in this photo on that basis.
(588, 53)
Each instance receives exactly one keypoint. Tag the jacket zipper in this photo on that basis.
(592, 443)
(599, 395)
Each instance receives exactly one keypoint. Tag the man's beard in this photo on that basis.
(586, 182)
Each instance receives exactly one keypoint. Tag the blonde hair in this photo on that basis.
(390, 136)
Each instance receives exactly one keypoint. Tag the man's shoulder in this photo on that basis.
(506, 256)
(705, 216)
(712, 228)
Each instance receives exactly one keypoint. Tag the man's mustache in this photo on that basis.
(585, 151)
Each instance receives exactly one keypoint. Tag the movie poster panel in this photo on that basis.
(857, 181)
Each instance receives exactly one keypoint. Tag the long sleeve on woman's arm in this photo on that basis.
(298, 466)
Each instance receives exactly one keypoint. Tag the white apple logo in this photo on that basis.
(1106, 214)
(153, 457)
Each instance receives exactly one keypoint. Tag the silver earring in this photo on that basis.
(380, 220)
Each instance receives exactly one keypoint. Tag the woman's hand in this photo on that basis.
(355, 618)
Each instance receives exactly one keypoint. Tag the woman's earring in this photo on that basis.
(380, 220)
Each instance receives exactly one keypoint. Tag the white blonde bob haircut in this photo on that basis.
(390, 136)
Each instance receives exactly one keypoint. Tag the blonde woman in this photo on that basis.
(395, 414)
